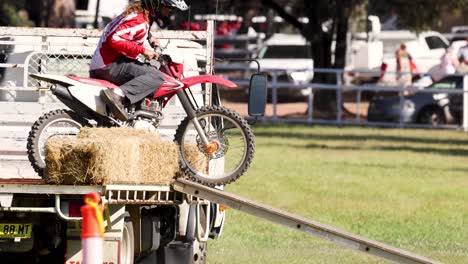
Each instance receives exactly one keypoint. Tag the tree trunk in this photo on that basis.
(319, 13)
(343, 11)
(39, 12)
(247, 20)
(62, 14)
(320, 42)
(285, 15)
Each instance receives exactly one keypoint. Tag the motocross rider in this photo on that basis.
(115, 58)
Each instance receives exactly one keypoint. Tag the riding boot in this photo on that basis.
(114, 101)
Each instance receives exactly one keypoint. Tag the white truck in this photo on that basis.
(290, 57)
(40, 223)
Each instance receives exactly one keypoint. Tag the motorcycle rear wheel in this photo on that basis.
(56, 123)
(231, 147)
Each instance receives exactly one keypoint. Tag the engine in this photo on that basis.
(147, 115)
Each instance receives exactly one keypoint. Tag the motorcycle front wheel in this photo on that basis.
(56, 123)
(229, 152)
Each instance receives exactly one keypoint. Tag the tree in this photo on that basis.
(44, 13)
(328, 20)
(416, 15)
(411, 14)
(13, 14)
(61, 14)
(335, 14)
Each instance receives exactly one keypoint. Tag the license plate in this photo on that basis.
(15, 230)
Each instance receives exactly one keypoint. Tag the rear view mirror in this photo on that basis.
(257, 95)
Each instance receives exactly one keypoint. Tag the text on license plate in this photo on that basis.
(15, 230)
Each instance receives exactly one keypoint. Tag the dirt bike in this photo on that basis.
(222, 137)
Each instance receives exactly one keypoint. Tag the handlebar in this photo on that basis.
(164, 59)
(153, 45)
(165, 62)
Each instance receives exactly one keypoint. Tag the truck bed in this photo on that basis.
(18, 177)
(18, 170)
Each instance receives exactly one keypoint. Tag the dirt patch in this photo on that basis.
(300, 110)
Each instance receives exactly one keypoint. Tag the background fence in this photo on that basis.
(59, 51)
(279, 88)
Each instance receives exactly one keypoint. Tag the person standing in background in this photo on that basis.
(463, 58)
(403, 65)
(448, 62)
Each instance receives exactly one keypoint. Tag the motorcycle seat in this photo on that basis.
(92, 81)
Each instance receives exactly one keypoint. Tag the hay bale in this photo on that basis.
(196, 159)
(116, 155)
(101, 132)
(111, 155)
(55, 149)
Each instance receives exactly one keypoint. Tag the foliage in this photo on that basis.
(407, 188)
(415, 14)
(328, 22)
(10, 15)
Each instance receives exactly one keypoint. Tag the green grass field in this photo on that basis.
(407, 188)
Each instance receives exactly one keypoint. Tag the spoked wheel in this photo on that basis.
(57, 123)
(229, 151)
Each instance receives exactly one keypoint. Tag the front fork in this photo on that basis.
(190, 110)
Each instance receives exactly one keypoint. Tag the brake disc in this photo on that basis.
(222, 142)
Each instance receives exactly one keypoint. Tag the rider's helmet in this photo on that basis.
(154, 8)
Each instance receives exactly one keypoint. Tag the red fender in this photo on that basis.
(190, 81)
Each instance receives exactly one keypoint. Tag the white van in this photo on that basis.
(291, 55)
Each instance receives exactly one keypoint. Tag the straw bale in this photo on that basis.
(101, 132)
(56, 149)
(159, 160)
(111, 155)
(196, 158)
(116, 155)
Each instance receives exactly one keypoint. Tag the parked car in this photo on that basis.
(459, 33)
(422, 107)
(290, 54)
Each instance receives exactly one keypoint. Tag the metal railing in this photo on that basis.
(60, 51)
(275, 85)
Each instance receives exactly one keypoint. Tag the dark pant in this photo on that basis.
(136, 79)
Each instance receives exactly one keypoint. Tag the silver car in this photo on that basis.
(422, 107)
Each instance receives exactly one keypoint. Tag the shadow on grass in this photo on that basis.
(407, 166)
(451, 152)
(363, 137)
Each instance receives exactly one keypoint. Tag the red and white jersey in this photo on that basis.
(124, 35)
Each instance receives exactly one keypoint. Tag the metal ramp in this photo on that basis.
(299, 223)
